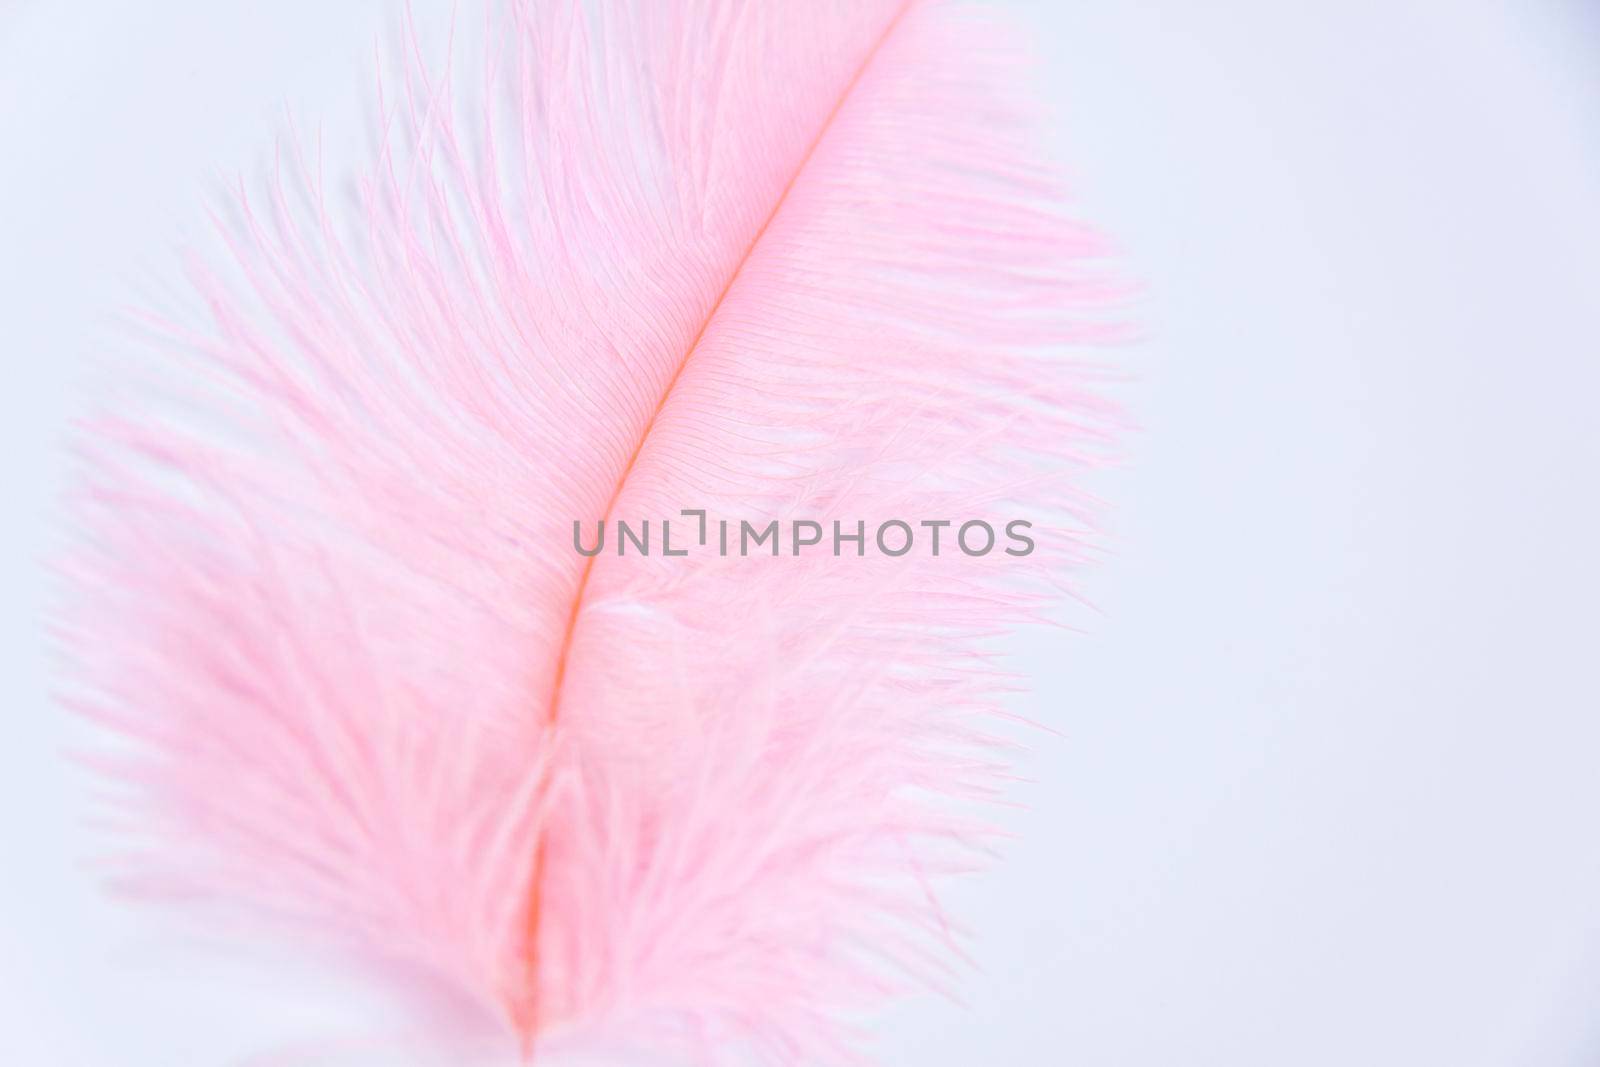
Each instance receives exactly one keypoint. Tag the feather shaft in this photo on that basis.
(527, 1016)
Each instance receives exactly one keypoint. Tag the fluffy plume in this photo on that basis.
(793, 261)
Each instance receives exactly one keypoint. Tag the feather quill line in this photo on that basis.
(526, 1014)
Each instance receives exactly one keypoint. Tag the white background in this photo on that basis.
(1328, 790)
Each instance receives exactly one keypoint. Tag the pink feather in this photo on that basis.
(774, 261)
